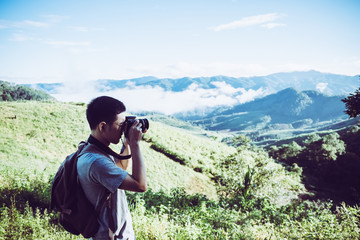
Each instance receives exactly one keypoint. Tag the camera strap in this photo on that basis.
(106, 149)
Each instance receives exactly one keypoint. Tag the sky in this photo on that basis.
(77, 42)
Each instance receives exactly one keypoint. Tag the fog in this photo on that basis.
(156, 99)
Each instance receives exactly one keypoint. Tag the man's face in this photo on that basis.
(113, 131)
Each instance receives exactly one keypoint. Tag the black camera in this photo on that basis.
(129, 121)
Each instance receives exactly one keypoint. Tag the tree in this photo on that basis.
(13, 92)
(352, 104)
(241, 140)
(332, 146)
(286, 152)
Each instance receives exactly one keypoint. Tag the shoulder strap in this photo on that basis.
(106, 149)
(107, 195)
(104, 200)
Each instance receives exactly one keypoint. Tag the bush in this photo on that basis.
(251, 174)
(30, 224)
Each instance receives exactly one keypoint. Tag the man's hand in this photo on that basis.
(125, 151)
(137, 181)
(135, 133)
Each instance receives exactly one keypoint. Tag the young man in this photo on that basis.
(101, 172)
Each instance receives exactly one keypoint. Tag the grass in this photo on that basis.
(44, 133)
(183, 200)
(198, 152)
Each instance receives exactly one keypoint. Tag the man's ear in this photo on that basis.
(101, 126)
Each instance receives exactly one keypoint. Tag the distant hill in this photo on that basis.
(330, 84)
(13, 92)
(296, 102)
(288, 112)
(288, 106)
(327, 83)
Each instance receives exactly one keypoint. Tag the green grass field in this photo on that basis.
(43, 134)
(199, 188)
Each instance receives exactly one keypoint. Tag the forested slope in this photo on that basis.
(13, 92)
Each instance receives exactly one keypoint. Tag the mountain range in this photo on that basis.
(288, 110)
(327, 83)
(330, 84)
(296, 102)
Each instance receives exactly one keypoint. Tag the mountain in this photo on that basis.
(296, 102)
(283, 114)
(327, 83)
(330, 84)
(289, 105)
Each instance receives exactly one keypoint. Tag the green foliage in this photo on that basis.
(22, 188)
(177, 216)
(330, 164)
(12, 92)
(285, 151)
(316, 220)
(239, 140)
(257, 196)
(30, 223)
(352, 104)
(316, 151)
(250, 174)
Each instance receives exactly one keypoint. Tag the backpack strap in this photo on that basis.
(106, 201)
(106, 149)
(106, 198)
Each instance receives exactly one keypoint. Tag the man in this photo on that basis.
(100, 173)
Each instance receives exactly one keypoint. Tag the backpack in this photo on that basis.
(76, 213)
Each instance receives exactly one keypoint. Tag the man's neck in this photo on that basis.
(99, 138)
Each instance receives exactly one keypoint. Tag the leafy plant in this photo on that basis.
(352, 104)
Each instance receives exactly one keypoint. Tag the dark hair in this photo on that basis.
(103, 109)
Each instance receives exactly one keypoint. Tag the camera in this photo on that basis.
(130, 120)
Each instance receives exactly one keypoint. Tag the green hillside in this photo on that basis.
(199, 188)
(13, 92)
(43, 134)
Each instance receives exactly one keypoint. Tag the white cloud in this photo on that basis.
(33, 23)
(147, 98)
(251, 94)
(226, 88)
(249, 21)
(273, 25)
(57, 43)
(49, 21)
(23, 24)
(19, 37)
(321, 87)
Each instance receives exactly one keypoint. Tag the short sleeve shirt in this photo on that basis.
(99, 175)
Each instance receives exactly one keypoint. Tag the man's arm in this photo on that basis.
(124, 163)
(136, 181)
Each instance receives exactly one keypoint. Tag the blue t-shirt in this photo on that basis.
(99, 175)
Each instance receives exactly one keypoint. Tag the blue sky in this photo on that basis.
(67, 41)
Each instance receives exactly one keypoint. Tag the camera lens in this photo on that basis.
(144, 124)
(129, 121)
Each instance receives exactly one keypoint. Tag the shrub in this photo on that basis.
(30, 224)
